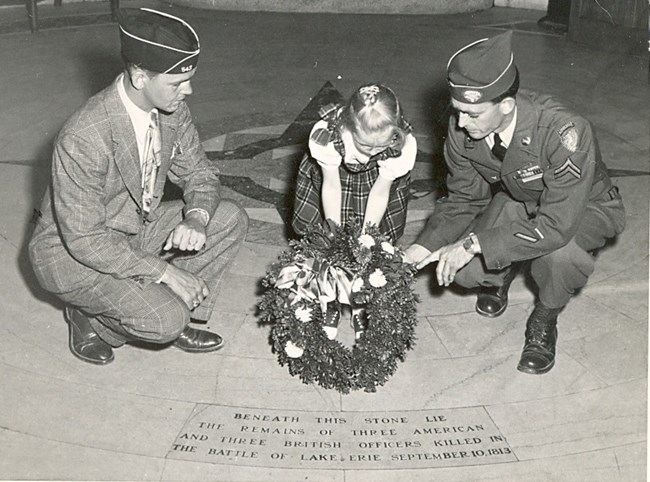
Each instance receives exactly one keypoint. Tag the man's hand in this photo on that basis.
(188, 235)
(188, 286)
(450, 259)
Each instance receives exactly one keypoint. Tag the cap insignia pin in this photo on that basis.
(472, 95)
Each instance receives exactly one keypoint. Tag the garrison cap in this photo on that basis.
(157, 41)
(482, 70)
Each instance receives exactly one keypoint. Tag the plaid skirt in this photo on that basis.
(355, 188)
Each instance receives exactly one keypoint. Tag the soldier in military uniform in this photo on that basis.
(526, 183)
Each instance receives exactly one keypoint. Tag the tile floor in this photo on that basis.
(64, 420)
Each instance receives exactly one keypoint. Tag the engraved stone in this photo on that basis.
(347, 440)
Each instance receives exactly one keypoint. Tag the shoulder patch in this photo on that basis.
(569, 136)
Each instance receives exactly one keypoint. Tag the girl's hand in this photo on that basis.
(415, 254)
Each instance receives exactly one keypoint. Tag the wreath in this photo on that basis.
(352, 270)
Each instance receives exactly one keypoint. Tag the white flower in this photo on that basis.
(303, 314)
(377, 278)
(366, 240)
(386, 246)
(357, 284)
(293, 350)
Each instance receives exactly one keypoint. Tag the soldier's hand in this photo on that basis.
(450, 259)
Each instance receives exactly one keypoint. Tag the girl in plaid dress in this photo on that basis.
(358, 164)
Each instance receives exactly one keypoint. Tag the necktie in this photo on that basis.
(151, 161)
(498, 149)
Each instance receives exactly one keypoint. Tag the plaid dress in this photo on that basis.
(356, 182)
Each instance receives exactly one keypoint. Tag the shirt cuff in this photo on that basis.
(205, 217)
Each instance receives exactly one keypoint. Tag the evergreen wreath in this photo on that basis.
(340, 263)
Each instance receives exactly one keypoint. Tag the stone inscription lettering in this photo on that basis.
(266, 418)
(244, 454)
(439, 430)
(352, 440)
(330, 420)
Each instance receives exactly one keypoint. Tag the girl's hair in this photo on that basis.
(374, 108)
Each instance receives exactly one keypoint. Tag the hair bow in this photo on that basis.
(369, 92)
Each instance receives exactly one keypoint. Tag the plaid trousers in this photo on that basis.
(123, 310)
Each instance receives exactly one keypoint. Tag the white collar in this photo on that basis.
(139, 118)
(507, 133)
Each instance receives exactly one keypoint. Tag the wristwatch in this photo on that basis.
(471, 244)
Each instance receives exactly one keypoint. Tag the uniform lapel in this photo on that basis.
(479, 152)
(522, 150)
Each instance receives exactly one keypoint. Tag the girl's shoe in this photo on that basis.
(359, 323)
(331, 320)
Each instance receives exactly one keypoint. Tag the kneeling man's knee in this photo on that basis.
(172, 321)
(163, 324)
(471, 275)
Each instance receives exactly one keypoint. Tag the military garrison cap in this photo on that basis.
(157, 41)
(482, 70)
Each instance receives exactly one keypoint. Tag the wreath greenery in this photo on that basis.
(358, 269)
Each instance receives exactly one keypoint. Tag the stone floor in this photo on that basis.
(456, 409)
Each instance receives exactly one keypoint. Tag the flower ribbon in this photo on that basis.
(316, 281)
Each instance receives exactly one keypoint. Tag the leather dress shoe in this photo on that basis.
(84, 342)
(198, 341)
(538, 355)
(493, 301)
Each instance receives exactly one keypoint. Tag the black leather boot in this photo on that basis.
(493, 301)
(538, 355)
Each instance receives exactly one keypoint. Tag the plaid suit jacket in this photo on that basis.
(91, 220)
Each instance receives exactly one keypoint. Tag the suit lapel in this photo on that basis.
(125, 146)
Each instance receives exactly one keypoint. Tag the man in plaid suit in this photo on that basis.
(129, 267)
